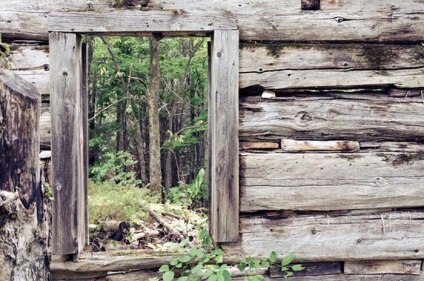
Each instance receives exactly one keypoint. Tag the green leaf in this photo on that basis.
(164, 268)
(207, 274)
(183, 278)
(273, 257)
(184, 258)
(213, 278)
(174, 262)
(227, 275)
(297, 267)
(287, 260)
(168, 276)
(242, 265)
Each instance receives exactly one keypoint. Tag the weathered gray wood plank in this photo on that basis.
(334, 236)
(327, 117)
(331, 181)
(377, 21)
(260, 57)
(342, 277)
(69, 206)
(412, 267)
(32, 63)
(45, 127)
(136, 21)
(224, 167)
(301, 79)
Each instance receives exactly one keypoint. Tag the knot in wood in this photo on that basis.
(339, 19)
(303, 119)
(219, 54)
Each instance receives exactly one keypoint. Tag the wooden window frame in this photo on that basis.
(69, 107)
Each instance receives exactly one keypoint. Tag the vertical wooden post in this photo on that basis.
(223, 137)
(85, 94)
(69, 207)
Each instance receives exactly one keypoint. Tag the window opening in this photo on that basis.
(128, 121)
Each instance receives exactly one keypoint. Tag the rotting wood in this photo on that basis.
(311, 269)
(330, 181)
(383, 267)
(328, 118)
(223, 140)
(299, 145)
(69, 208)
(333, 236)
(264, 20)
(259, 145)
(24, 219)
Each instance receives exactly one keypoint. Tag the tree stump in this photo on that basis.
(24, 219)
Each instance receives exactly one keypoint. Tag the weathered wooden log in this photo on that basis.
(343, 277)
(175, 233)
(265, 20)
(319, 237)
(31, 62)
(359, 117)
(23, 216)
(322, 181)
(412, 267)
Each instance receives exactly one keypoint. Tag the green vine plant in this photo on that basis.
(198, 263)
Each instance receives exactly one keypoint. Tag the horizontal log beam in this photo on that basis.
(360, 117)
(333, 236)
(341, 21)
(140, 21)
(412, 267)
(337, 181)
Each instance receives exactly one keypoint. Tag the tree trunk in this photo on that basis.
(154, 123)
(24, 231)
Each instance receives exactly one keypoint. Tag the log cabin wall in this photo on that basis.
(330, 128)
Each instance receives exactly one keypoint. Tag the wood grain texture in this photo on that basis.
(333, 236)
(223, 140)
(299, 145)
(289, 66)
(136, 21)
(358, 117)
(342, 277)
(19, 138)
(259, 145)
(412, 267)
(330, 181)
(261, 57)
(31, 62)
(45, 127)
(376, 21)
(69, 206)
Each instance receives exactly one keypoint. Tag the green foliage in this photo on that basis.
(110, 201)
(190, 194)
(115, 168)
(206, 263)
(195, 263)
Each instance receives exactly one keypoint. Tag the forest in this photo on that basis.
(147, 123)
